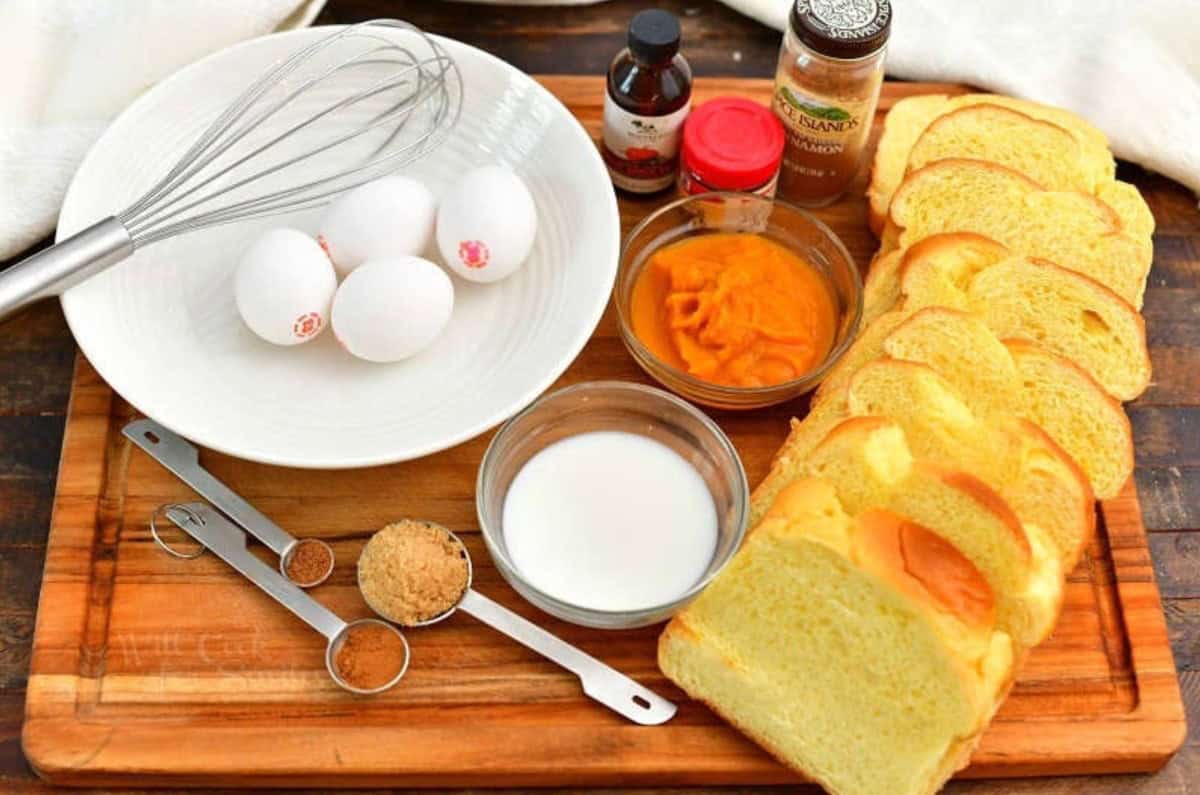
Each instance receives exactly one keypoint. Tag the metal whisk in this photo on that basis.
(349, 108)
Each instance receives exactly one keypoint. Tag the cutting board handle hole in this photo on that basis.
(152, 436)
(641, 702)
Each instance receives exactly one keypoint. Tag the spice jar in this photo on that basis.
(732, 144)
(826, 87)
(648, 95)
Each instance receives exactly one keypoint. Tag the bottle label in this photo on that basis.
(641, 152)
(816, 125)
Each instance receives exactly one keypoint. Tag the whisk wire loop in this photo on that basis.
(198, 162)
(411, 105)
(310, 128)
(159, 214)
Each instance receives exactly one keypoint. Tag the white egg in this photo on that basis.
(283, 287)
(389, 217)
(486, 224)
(390, 309)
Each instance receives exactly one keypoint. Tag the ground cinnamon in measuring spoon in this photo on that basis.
(370, 656)
(308, 562)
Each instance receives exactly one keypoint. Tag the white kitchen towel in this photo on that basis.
(1130, 68)
(70, 66)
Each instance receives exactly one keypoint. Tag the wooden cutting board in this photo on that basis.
(151, 670)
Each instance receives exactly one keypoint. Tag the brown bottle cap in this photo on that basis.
(845, 29)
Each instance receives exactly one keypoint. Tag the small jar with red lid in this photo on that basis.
(731, 144)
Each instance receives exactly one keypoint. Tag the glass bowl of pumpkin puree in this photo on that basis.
(736, 301)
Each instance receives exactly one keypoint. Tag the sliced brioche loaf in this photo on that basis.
(962, 254)
(1041, 150)
(993, 378)
(1020, 298)
(910, 118)
(1067, 313)
(788, 463)
(1074, 229)
(1136, 219)
(868, 462)
(1043, 485)
(778, 645)
(881, 288)
(1022, 378)
(1075, 411)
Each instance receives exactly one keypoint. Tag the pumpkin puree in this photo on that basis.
(735, 309)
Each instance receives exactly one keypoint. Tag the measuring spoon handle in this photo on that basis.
(604, 684)
(228, 542)
(179, 456)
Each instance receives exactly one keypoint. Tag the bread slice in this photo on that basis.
(910, 118)
(1074, 229)
(1136, 219)
(939, 269)
(1034, 300)
(1022, 378)
(881, 288)
(788, 464)
(780, 641)
(1067, 313)
(868, 462)
(956, 253)
(1068, 404)
(995, 377)
(1041, 150)
(1040, 482)
(867, 347)
(1019, 298)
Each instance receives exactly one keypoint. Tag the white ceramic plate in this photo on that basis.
(163, 330)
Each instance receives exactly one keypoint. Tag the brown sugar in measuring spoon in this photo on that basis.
(419, 573)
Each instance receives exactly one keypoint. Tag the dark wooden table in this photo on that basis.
(36, 355)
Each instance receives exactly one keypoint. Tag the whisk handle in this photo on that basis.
(64, 264)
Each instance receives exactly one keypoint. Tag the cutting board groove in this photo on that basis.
(150, 670)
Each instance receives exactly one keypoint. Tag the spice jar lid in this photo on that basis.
(732, 143)
(845, 29)
(654, 35)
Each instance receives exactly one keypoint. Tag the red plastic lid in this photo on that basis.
(732, 143)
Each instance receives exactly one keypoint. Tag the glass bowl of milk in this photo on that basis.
(611, 504)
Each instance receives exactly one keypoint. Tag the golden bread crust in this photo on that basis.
(1087, 498)
(878, 193)
(925, 258)
(984, 495)
(901, 197)
(951, 244)
(909, 119)
(1099, 400)
(1023, 215)
(926, 566)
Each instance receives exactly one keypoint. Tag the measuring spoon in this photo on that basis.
(228, 542)
(600, 682)
(182, 459)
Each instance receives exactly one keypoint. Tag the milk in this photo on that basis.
(610, 520)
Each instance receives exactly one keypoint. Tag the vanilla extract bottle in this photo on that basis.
(648, 96)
